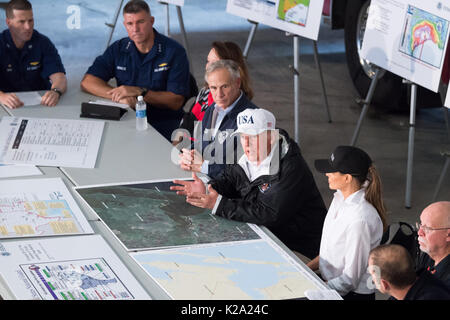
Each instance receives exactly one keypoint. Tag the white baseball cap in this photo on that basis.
(254, 121)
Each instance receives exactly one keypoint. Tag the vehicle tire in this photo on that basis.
(389, 93)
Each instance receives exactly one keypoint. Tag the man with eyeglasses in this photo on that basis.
(434, 240)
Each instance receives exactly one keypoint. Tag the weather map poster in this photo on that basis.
(424, 36)
(250, 270)
(39, 207)
(408, 38)
(149, 215)
(299, 17)
(69, 268)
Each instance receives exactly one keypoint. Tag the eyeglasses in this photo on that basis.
(428, 229)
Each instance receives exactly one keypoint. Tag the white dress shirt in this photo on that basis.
(252, 170)
(351, 229)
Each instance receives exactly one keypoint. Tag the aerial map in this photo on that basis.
(150, 215)
(424, 36)
(90, 279)
(241, 270)
(294, 11)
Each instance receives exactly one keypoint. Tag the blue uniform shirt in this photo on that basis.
(164, 68)
(27, 69)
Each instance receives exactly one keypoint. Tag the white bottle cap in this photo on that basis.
(140, 98)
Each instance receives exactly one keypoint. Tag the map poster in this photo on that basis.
(299, 17)
(69, 268)
(250, 270)
(174, 2)
(39, 207)
(149, 215)
(408, 38)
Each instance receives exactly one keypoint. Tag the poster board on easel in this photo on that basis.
(299, 17)
(408, 38)
(174, 2)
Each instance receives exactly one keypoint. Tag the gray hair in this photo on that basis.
(230, 65)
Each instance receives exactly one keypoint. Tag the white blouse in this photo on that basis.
(351, 229)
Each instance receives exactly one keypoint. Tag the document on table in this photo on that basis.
(110, 103)
(39, 207)
(50, 142)
(322, 295)
(66, 268)
(29, 98)
(12, 170)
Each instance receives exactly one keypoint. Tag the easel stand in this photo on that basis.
(182, 29)
(296, 73)
(112, 26)
(366, 103)
(412, 129)
(412, 122)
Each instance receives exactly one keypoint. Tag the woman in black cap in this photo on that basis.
(354, 223)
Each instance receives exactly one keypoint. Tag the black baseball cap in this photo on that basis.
(345, 159)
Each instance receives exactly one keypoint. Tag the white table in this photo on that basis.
(125, 155)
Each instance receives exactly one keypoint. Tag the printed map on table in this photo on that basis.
(150, 215)
(90, 279)
(39, 207)
(295, 11)
(243, 270)
(424, 36)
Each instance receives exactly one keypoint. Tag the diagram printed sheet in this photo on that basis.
(39, 207)
(69, 268)
(150, 215)
(257, 269)
(408, 38)
(50, 142)
(300, 17)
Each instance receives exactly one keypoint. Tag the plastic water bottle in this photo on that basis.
(141, 114)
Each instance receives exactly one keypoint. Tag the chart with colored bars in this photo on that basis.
(90, 279)
(294, 11)
(423, 36)
(20, 217)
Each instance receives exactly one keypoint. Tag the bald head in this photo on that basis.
(439, 213)
(394, 264)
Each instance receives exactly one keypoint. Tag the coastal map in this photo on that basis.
(423, 36)
(242, 270)
(150, 215)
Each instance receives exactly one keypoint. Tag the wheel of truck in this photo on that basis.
(388, 93)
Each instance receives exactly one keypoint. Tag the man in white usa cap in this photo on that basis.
(271, 185)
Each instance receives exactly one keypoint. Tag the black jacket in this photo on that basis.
(287, 202)
(440, 271)
(427, 287)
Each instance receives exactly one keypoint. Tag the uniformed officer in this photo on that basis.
(144, 63)
(28, 60)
